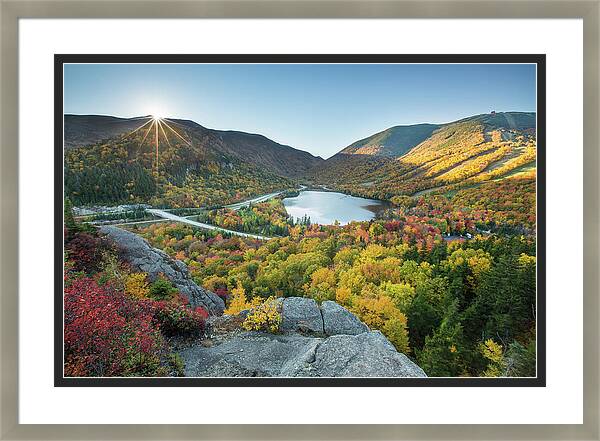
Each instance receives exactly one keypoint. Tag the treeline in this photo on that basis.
(110, 184)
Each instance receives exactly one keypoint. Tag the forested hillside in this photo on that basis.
(459, 154)
(195, 166)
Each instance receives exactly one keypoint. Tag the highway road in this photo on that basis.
(166, 215)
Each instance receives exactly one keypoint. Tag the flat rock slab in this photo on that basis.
(364, 355)
(259, 354)
(338, 320)
(250, 354)
(142, 257)
(299, 314)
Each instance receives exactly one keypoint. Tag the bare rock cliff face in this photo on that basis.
(142, 257)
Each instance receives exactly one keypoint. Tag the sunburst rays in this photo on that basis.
(164, 121)
(140, 127)
(157, 126)
(162, 129)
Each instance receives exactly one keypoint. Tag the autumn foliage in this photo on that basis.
(112, 326)
(436, 298)
(107, 334)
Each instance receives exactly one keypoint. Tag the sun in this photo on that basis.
(156, 111)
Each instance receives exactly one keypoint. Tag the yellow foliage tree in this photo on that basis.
(353, 280)
(212, 283)
(478, 260)
(379, 311)
(265, 316)
(493, 352)
(373, 251)
(526, 260)
(395, 329)
(343, 296)
(402, 294)
(346, 255)
(322, 285)
(136, 285)
(238, 302)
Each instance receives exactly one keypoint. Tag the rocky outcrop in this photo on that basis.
(305, 316)
(142, 257)
(338, 320)
(299, 314)
(369, 354)
(328, 341)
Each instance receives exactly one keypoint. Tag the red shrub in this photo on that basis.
(106, 334)
(222, 292)
(176, 320)
(85, 251)
(109, 334)
(202, 313)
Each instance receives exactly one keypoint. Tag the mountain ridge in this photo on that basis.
(393, 141)
(111, 160)
(231, 164)
(407, 160)
(284, 160)
(426, 126)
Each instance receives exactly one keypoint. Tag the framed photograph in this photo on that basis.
(200, 256)
(249, 212)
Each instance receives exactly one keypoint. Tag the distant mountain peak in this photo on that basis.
(394, 141)
(399, 140)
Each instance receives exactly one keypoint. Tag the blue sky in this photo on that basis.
(317, 108)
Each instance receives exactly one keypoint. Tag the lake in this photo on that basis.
(325, 207)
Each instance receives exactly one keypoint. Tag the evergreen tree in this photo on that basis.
(69, 220)
(442, 354)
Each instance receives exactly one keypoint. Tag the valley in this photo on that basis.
(425, 233)
(189, 166)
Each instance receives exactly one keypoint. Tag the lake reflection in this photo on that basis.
(325, 207)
